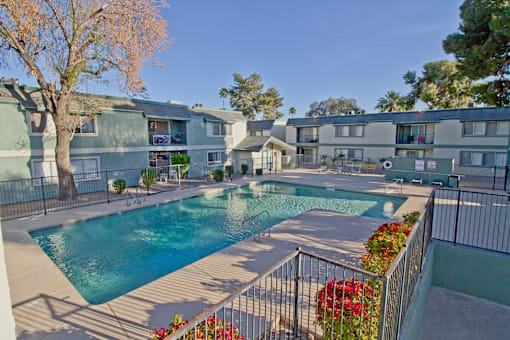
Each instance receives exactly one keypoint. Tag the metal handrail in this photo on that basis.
(252, 218)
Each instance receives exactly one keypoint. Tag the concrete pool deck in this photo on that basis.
(47, 306)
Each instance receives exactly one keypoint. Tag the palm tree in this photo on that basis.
(391, 102)
(292, 111)
(224, 95)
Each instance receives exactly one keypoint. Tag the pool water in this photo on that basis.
(109, 256)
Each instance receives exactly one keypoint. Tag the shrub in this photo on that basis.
(244, 168)
(119, 186)
(228, 169)
(344, 308)
(227, 331)
(411, 217)
(218, 175)
(292, 165)
(181, 158)
(258, 172)
(148, 176)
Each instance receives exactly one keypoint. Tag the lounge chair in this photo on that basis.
(417, 181)
(323, 168)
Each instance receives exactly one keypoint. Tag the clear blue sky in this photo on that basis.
(308, 50)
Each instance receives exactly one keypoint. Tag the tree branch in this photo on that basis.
(48, 96)
(60, 23)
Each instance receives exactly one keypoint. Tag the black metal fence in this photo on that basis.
(484, 177)
(476, 219)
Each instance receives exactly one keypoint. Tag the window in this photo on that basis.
(497, 128)
(256, 133)
(215, 157)
(477, 158)
(85, 168)
(349, 131)
(354, 154)
(41, 123)
(46, 169)
(219, 129)
(86, 126)
(410, 153)
(501, 128)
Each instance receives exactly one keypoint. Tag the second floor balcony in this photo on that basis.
(308, 138)
(419, 138)
(178, 138)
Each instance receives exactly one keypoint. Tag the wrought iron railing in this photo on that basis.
(307, 138)
(407, 138)
(472, 218)
(308, 296)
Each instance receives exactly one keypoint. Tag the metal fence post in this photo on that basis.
(402, 290)
(456, 218)
(296, 295)
(43, 196)
(494, 178)
(506, 177)
(179, 175)
(107, 191)
(382, 314)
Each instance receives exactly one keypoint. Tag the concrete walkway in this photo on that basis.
(47, 306)
(450, 315)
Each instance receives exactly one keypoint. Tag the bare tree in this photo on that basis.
(65, 43)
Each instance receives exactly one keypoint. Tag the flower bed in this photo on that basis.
(386, 242)
(350, 308)
(224, 331)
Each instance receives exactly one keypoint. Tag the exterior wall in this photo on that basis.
(449, 132)
(290, 134)
(6, 317)
(279, 129)
(374, 133)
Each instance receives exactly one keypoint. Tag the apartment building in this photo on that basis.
(471, 136)
(124, 134)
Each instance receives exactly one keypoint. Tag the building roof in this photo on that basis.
(258, 143)
(31, 98)
(218, 115)
(260, 124)
(431, 116)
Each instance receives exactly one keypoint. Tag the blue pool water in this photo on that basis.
(112, 255)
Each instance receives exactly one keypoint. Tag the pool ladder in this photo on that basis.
(257, 216)
(136, 198)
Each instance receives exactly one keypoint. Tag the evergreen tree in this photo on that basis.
(482, 48)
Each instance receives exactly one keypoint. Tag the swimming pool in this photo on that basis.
(109, 256)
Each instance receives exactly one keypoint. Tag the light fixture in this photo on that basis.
(314, 117)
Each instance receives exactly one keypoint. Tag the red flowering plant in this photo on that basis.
(386, 242)
(224, 330)
(348, 309)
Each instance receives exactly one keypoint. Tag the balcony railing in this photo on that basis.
(424, 138)
(308, 138)
(167, 138)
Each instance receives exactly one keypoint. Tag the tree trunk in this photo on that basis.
(67, 186)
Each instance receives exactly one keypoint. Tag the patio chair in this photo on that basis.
(323, 168)
(338, 170)
(349, 169)
(356, 168)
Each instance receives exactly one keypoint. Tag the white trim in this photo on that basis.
(85, 151)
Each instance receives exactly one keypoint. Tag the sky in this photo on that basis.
(308, 50)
